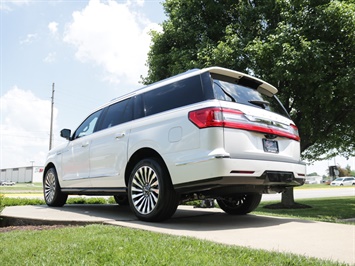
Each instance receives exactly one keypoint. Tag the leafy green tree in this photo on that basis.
(313, 174)
(304, 47)
(312, 59)
(344, 171)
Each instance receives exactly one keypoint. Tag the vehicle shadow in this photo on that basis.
(186, 217)
(216, 220)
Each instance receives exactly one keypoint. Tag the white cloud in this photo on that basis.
(18, 2)
(53, 27)
(29, 38)
(24, 127)
(138, 2)
(50, 58)
(6, 5)
(114, 37)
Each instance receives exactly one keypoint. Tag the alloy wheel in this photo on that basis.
(49, 186)
(145, 190)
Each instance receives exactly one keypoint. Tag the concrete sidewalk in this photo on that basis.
(314, 239)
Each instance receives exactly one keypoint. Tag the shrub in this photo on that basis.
(2, 206)
(7, 201)
(111, 200)
(86, 200)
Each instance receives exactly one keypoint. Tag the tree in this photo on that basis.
(311, 51)
(305, 48)
(344, 171)
(313, 174)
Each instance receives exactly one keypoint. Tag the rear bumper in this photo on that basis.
(238, 174)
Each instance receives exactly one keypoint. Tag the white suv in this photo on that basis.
(344, 181)
(204, 134)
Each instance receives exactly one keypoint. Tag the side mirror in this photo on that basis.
(65, 133)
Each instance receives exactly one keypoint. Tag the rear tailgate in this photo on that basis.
(259, 134)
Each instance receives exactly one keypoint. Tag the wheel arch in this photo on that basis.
(48, 166)
(140, 155)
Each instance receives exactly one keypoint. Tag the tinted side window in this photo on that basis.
(207, 86)
(138, 107)
(118, 113)
(177, 94)
(88, 126)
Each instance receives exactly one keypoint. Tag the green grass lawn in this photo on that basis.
(113, 245)
(319, 186)
(322, 209)
(35, 188)
(22, 188)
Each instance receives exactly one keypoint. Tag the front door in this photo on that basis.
(76, 157)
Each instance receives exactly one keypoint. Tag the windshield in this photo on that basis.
(246, 94)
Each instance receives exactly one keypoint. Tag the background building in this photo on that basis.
(314, 179)
(29, 174)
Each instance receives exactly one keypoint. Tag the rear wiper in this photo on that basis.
(262, 104)
(228, 94)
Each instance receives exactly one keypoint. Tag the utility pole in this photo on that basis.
(51, 129)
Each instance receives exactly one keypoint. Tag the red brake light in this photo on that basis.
(230, 118)
(208, 117)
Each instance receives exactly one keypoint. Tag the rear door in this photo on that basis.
(348, 181)
(108, 151)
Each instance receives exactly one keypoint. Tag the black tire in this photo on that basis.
(121, 200)
(240, 204)
(53, 195)
(151, 195)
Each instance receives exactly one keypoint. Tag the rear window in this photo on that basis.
(118, 113)
(174, 95)
(244, 91)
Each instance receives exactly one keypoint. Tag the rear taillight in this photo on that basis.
(294, 130)
(230, 118)
(208, 117)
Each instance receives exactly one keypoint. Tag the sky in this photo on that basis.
(93, 51)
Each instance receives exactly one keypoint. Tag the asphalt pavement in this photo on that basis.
(314, 239)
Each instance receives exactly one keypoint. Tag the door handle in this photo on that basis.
(85, 144)
(120, 135)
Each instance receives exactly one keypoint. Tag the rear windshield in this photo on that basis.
(245, 92)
